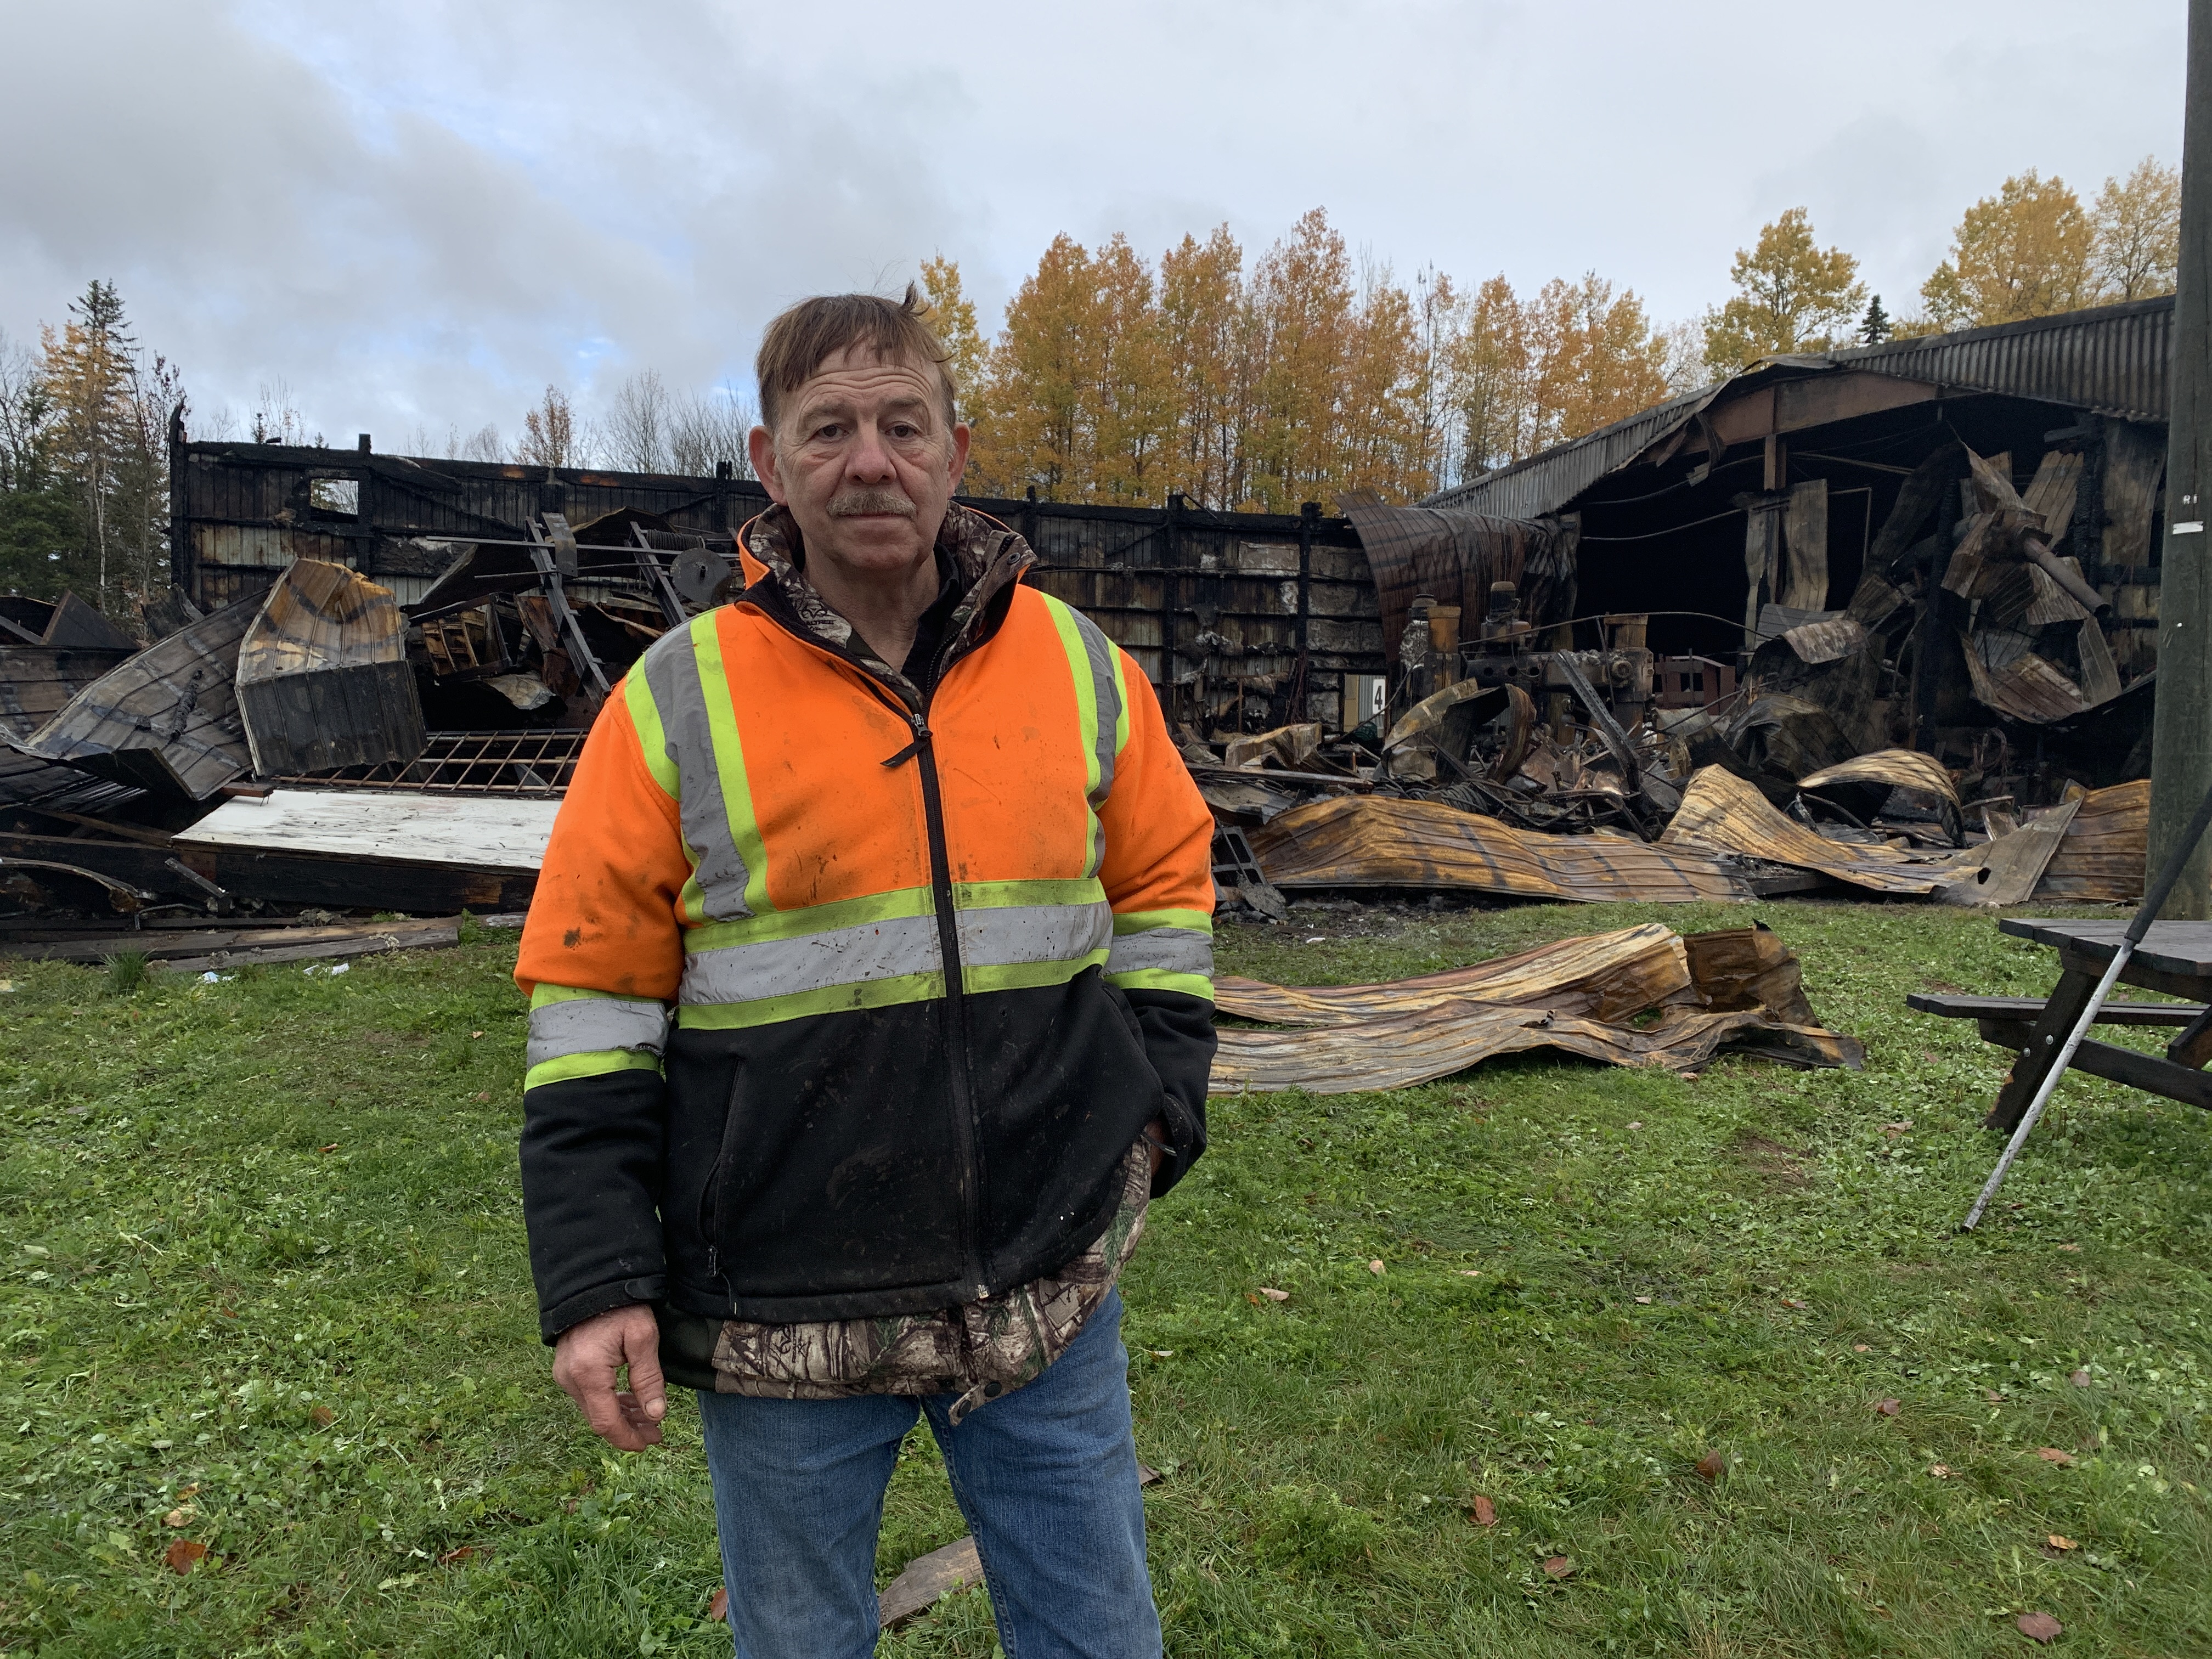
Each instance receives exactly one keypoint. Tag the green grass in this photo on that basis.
(262, 1272)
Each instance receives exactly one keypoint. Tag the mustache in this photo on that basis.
(865, 499)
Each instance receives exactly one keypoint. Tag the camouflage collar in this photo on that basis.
(985, 558)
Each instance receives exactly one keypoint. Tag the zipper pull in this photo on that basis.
(920, 742)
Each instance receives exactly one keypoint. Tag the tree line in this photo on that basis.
(1244, 383)
(1301, 375)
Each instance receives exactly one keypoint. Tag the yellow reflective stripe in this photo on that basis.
(730, 761)
(1155, 979)
(570, 1066)
(1086, 690)
(652, 737)
(1136, 922)
(834, 999)
(1005, 895)
(897, 905)
(894, 906)
(1026, 975)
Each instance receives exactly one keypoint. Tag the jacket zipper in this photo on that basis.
(962, 1089)
(964, 1127)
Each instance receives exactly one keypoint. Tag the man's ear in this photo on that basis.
(761, 448)
(961, 437)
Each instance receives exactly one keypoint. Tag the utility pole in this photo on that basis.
(2181, 738)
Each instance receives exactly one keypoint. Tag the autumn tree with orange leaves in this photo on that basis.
(1299, 378)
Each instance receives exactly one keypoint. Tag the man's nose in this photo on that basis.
(869, 461)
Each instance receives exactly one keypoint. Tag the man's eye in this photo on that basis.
(828, 431)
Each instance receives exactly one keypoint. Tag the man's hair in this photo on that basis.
(803, 339)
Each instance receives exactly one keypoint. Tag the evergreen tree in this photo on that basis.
(1874, 327)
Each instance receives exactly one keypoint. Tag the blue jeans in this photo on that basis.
(1046, 1476)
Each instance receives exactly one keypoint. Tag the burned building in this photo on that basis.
(1970, 523)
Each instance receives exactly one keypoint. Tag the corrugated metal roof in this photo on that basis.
(1530, 489)
(2112, 359)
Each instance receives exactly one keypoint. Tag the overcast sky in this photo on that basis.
(417, 215)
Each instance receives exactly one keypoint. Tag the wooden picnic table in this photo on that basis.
(2174, 958)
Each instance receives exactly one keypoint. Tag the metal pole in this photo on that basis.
(2181, 732)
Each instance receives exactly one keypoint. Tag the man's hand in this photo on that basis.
(1156, 1136)
(586, 1359)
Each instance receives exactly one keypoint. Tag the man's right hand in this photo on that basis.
(587, 1360)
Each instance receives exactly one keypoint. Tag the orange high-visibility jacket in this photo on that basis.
(931, 967)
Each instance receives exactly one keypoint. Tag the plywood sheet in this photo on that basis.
(506, 833)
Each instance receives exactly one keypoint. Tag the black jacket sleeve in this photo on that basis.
(1179, 1041)
(592, 1151)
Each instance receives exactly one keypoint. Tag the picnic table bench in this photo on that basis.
(2175, 957)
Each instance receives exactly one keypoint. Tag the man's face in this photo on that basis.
(863, 459)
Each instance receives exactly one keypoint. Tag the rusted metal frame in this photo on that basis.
(656, 578)
(549, 582)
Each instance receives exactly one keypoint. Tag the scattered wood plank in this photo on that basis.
(2009, 869)
(503, 833)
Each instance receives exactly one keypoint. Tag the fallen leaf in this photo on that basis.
(1992, 1396)
(1861, 1347)
(484, 1097)
(189, 1492)
(2052, 1455)
(1792, 1302)
(461, 1554)
(1636, 1126)
(1690, 1076)
(1483, 1512)
(1161, 1354)
(332, 1147)
(1887, 1407)
(1893, 1130)
(1253, 1300)
(183, 1555)
(1941, 1471)
(323, 1416)
(1470, 1273)
(476, 1034)
(2074, 1248)
(1712, 1467)
(1375, 1267)
(179, 1517)
(1275, 1295)
(2079, 1379)
(2058, 1543)
(2038, 1626)
(1642, 1301)
(718, 1604)
(1559, 1567)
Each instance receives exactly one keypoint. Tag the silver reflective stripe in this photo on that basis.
(891, 950)
(1106, 699)
(815, 962)
(1168, 949)
(671, 674)
(591, 1026)
(1034, 932)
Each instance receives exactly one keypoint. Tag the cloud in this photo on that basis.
(419, 214)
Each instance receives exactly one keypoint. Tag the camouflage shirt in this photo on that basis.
(992, 1346)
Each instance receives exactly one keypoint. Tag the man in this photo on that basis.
(906, 845)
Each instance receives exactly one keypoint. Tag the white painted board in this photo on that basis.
(479, 832)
